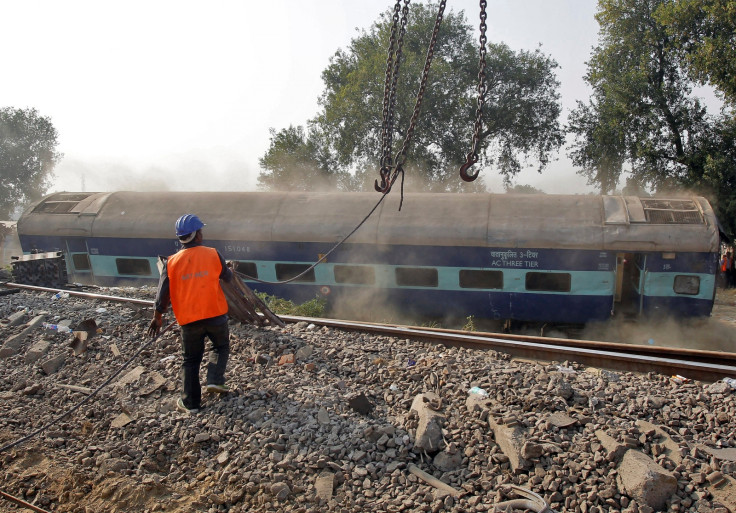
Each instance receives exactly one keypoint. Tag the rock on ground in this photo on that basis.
(286, 438)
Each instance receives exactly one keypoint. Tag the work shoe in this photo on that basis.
(218, 389)
(182, 408)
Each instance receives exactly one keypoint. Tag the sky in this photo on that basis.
(180, 95)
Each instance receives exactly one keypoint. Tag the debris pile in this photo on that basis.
(325, 420)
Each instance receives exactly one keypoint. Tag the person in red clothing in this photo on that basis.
(190, 282)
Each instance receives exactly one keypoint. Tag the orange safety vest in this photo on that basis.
(194, 284)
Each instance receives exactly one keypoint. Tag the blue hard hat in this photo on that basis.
(188, 223)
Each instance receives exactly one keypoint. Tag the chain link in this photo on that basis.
(472, 156)
(388, 179)
(393, 62)
(401, 156)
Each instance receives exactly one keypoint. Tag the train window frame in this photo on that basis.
(548, 282)
(286, 271)
(61, 203)
(250, 269)
(82, 258)
(417, 277)
(354, 274)
(137, 266)
(480, 279)
(686, 288)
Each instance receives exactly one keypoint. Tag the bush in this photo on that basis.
(312, 308)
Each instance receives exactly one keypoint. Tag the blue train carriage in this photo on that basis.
(546, 258)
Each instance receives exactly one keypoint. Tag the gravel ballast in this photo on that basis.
(321, 420)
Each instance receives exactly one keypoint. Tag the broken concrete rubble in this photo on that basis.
(270, 430)
(645, 481)
(511, 439)
(16, 341)
(613, 448)
(429, 431)
(671, 449)
(36, 351)
(16, 318)
(324, 485)
(53, 365)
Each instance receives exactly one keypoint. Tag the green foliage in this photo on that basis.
(27, 157)
(470, 324)
(523, 189)
(641, 111)
(704, 31)
(520, 120)
(643, 114)
(312, 308)
(295, 160)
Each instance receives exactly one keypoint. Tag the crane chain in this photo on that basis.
(401, 156)
(388, 179)
(393, 62)
(472, 156)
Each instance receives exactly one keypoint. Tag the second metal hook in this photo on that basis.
(464, 174)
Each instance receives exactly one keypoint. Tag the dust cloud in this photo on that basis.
(708, 334)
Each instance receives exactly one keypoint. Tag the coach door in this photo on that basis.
(78, 264)
(629, 283)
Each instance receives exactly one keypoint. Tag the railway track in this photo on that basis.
(703, 365)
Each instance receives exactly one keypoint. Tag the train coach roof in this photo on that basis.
(494, 220)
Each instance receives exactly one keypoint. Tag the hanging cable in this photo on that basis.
(323, 257)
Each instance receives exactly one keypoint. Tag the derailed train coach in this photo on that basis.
(548, 258)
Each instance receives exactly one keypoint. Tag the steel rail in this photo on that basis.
(581, 353)
(22, 503)
(701, 355)
(707, 366)
(76, 293)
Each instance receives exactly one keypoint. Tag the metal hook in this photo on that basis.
(464, 174)
(385, 181)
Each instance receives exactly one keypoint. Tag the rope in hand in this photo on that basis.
(90, 396)
(323, 257)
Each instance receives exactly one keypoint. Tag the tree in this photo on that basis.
(295, 161)
(642, 114)
(520, 119)
(523, 189)
(704, 30)
(27, 157)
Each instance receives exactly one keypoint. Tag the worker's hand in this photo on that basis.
(155, 327)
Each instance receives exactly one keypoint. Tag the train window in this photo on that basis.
(288, 271)
(61, 203)
(81, 262)
(475, 279)
(666, 211)
(548, 282)
(687, 285)
(247, 268)
(133, 266)
(416, 277)
(355, 274)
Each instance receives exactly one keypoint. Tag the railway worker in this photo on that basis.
(190, 281)
(727, 270)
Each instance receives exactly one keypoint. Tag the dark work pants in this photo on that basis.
(192, 345)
